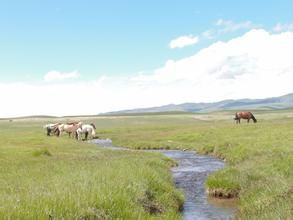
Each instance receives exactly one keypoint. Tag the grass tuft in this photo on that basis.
(42, 152)
(224, 183)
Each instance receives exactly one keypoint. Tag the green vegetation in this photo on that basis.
(58, 178)
(63, 178)
(259, 156)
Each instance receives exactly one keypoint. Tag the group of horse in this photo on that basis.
(77, 129)
(74, 129)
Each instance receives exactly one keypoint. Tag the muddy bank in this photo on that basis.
(190, 176)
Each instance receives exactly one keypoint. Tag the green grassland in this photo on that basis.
(59, 178)
(62, 178)
(259, 156)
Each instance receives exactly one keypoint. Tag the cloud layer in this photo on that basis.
(257, 64)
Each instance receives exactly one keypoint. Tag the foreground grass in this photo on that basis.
(58, 178)
(259, 156)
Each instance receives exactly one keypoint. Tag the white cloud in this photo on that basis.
(257, 64)
(57, 76)
(209, 34)
(225, 26)
(222, 26)
(183, 41)
(283, 27)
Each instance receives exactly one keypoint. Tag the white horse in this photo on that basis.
(52, 128)
(86, 129)
(70, 128)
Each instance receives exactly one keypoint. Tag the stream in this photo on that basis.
(189, 176)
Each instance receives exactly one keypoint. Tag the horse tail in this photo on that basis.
(93, 132)
(253, 118)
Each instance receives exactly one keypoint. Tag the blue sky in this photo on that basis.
(134, 50)
(113, 37)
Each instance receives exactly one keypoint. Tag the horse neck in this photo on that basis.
(76, 126)
(94, 127)
(253, 118)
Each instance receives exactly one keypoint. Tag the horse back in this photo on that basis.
(243, 115)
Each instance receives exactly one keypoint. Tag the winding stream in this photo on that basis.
(190, 176)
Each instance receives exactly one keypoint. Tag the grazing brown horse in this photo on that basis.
(244, 115)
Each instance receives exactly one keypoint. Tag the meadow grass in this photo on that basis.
(59, 178)
(62, 178)
(259, 156)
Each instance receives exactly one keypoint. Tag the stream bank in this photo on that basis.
(189, 176)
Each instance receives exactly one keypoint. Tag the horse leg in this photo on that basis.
(61, 130)
(48, 131)
(86, 135)
(248, 120)
(73, 134)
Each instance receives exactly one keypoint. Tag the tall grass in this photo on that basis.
(58, 178)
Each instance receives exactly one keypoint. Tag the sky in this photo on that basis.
(88, 57)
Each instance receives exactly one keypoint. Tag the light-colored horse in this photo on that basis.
(70, 128)
(86, 129)
(52, 128)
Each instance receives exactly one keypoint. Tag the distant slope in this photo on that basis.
(281, 102)
(30, 116)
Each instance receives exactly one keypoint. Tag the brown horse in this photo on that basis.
(244, 115)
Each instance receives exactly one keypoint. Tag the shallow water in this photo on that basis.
(190, 176)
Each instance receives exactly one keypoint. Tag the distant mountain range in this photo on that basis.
(281, 102)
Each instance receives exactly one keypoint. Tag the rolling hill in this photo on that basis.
(274, 103)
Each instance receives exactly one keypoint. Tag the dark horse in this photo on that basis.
(244, 115)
